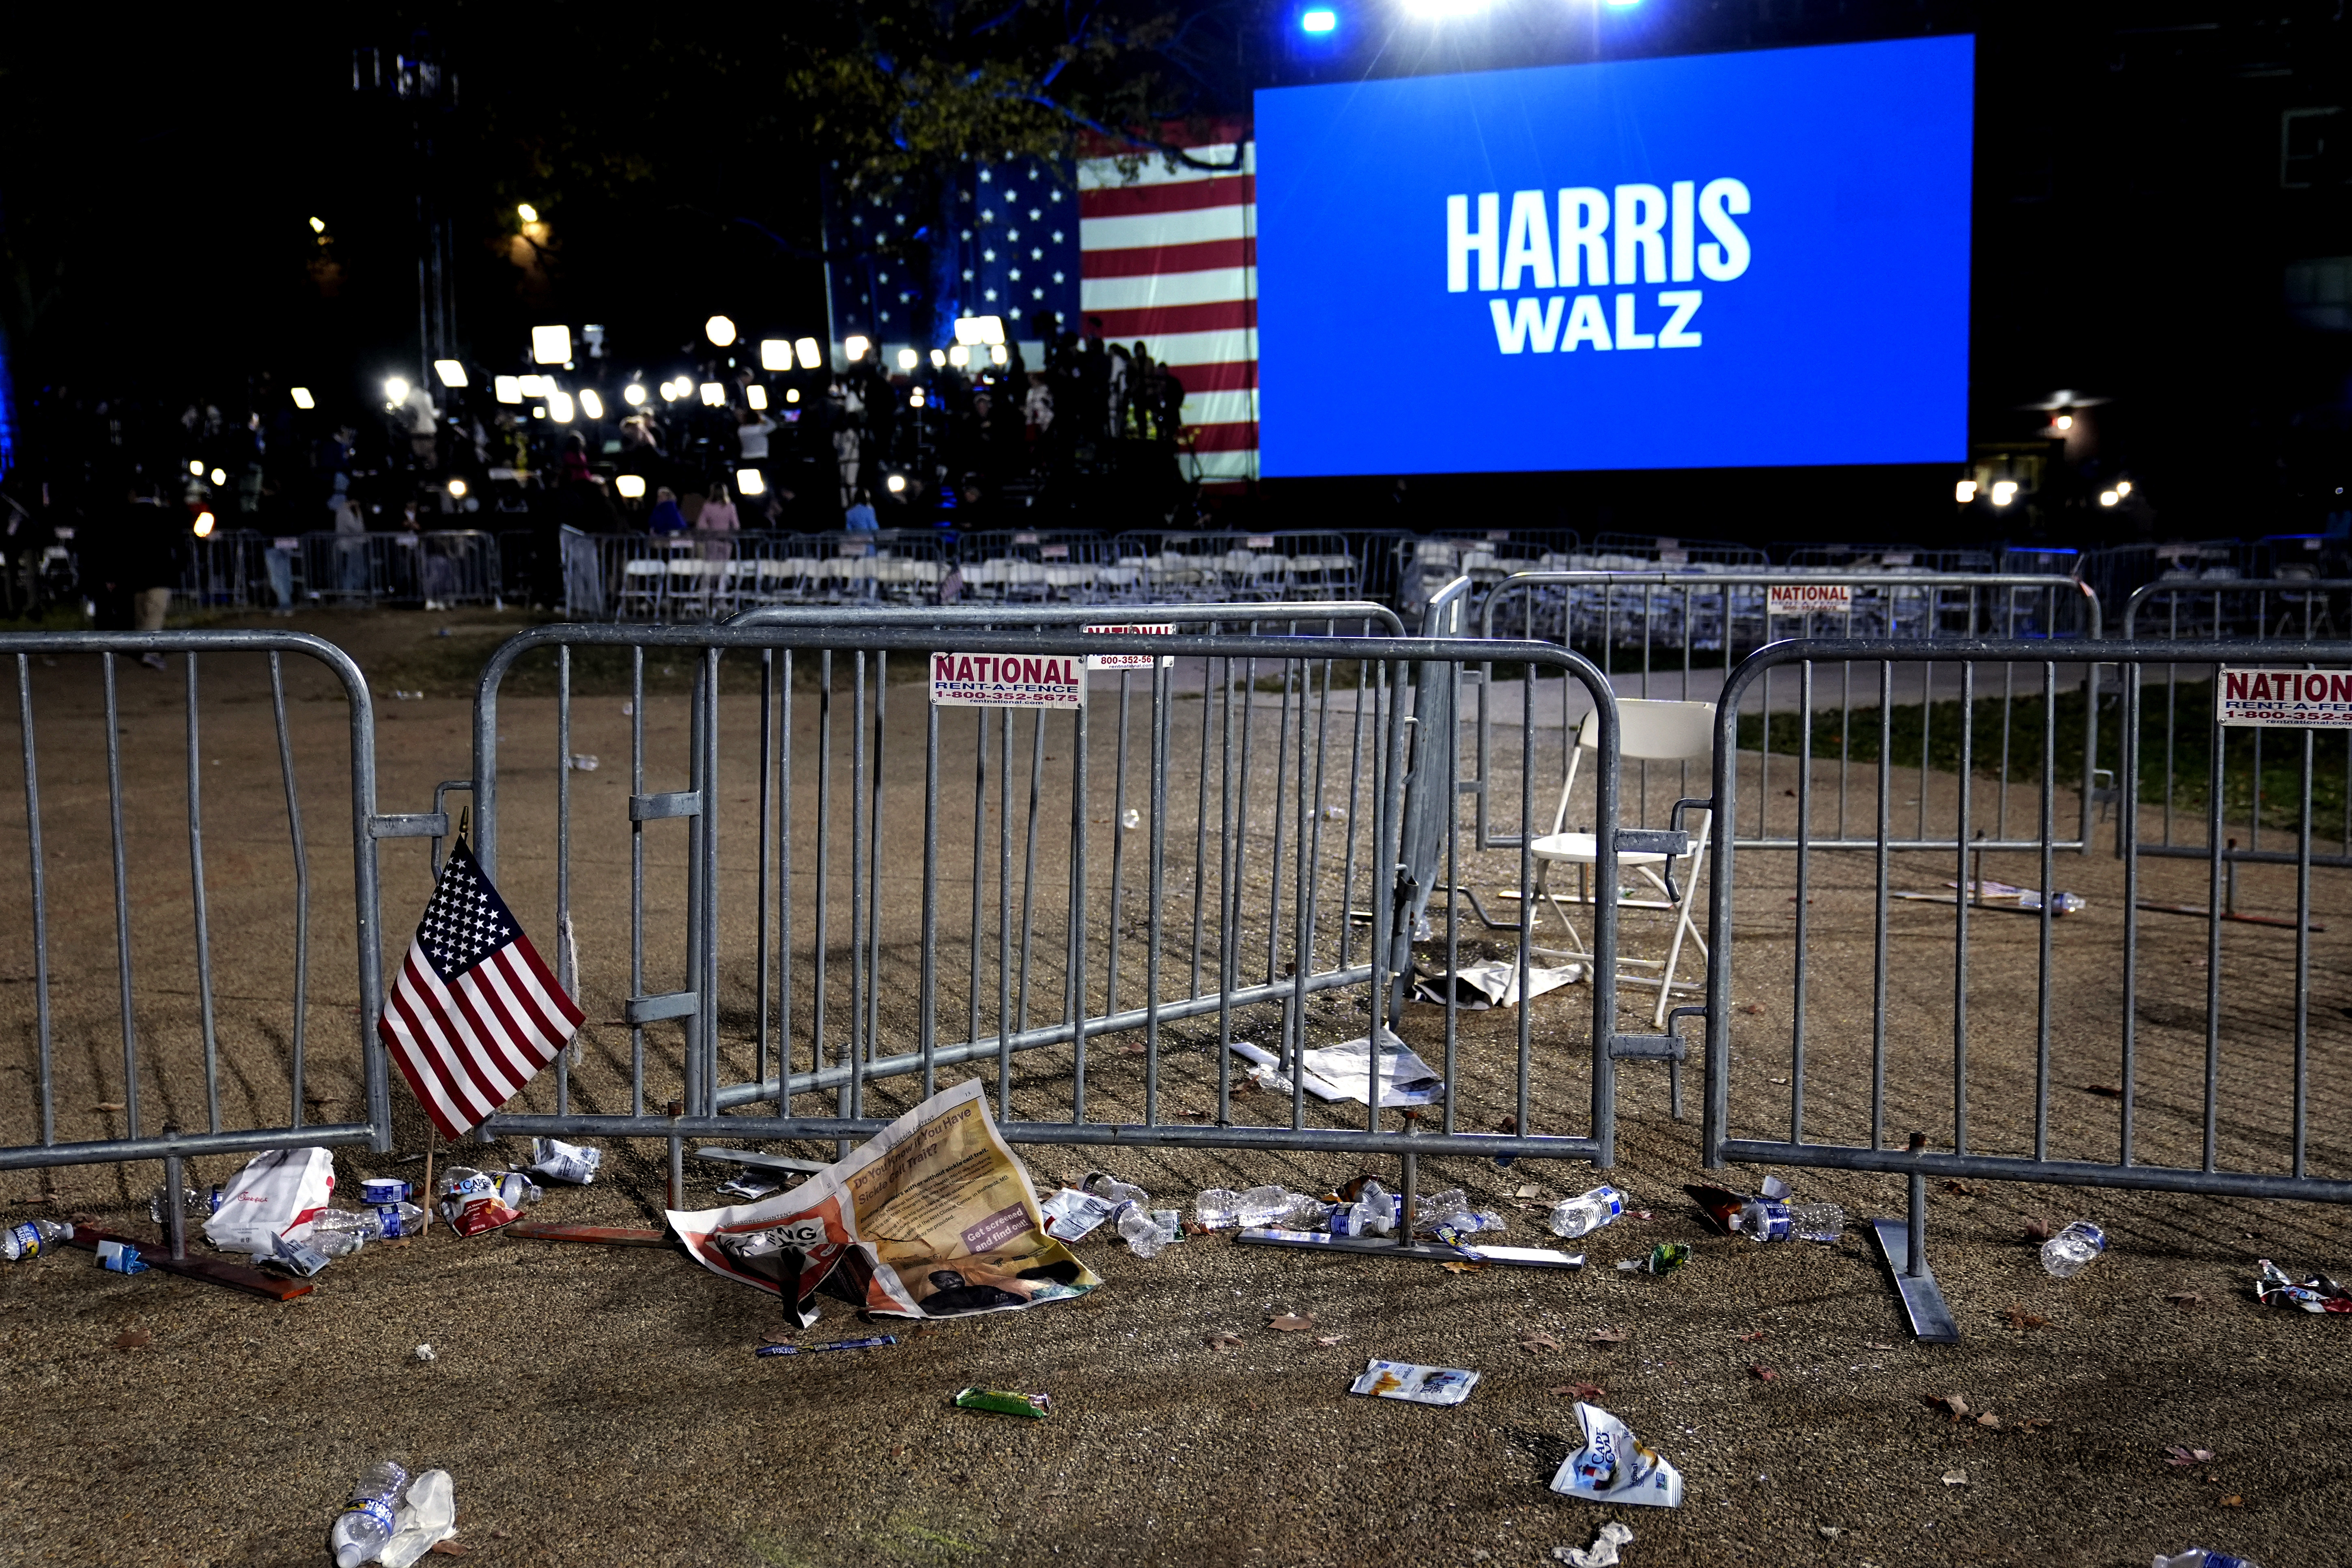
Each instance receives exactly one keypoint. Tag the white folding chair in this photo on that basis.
(1648, 730)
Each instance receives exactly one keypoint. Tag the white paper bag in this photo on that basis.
(281, 1193)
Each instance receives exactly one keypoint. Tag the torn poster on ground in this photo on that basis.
(934, 1217)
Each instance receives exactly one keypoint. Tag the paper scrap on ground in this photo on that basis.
(934, 1217)
(1614, 1465)
(1071, 1214)
(1419, 1384)
(1602, 1554)
(1403, 1077)
(1495, 983)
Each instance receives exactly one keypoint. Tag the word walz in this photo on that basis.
(1005, 681)
(2263, 699)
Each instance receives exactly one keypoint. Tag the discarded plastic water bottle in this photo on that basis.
(1130, 819)
(1112, 1190)
(32, 1238)
(1141, 1232)
(2074, 1249)
(1583, 1215)
(518, 1191)
(1760, 1220)
(339, 1232)
(1431, 1209)
(366, 1525)
(193, 1204)
(2060, 903)
(1217, 1207)
(1374, 1213)
(1335, 813)
(1279, 1208)
(2198, 1557)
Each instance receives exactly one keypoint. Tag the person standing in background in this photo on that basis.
(860, 518)
(751, 431)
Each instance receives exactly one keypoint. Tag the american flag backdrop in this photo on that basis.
(475, 1013)
(1171, 260)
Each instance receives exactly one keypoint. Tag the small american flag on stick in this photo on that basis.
(476, 1013)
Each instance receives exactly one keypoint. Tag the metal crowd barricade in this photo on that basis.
(196, 1066)
(1035, 568)
(1883, 558)
(1678, 634)
(2206, 1061)
(1427, 564)
(2172, 701)
(1261, 894)
(1668, 549)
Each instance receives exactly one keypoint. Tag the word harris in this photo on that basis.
(1632, 235)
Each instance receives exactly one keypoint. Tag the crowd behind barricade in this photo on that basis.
(268, 492)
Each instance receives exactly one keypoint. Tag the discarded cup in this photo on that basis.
(1035, 1406)
(427, 1515)
(1112, 1189)
(377, 1191)
(1141, 1235)
(2074, 1249)
(193, 1204)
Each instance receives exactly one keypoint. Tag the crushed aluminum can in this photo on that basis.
(1035, 1406)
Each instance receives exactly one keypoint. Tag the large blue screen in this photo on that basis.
(1722, 260)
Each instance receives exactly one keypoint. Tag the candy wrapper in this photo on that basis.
(1614, 1465)
(1419, 1384)
(2316, 1294)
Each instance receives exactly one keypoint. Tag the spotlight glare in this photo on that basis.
(756, 397)
(302, 398)
(318, 226)
(451, 373)
(775, 354)
(750, 483)
(457, 489)
(395, 389)
(714, 395)
(719, 331)
(630, 486)
(895, 484)
(507, 388)
(791, 395)
(550, 345)
(204, 525)
(220, 478)
(938, 358)
(811, 355)
(2004, 492)
(525, 211)
(999, 354)
(590, 405)
(2064, 422)
(195, 468)
(854, 348)
(909, 359)
(2123, 487)
(559, 407)
(2108, 498)
(1965, 491)
(634, 395)
(959, 356)
(1318, 21)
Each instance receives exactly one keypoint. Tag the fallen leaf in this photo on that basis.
(900, 1452)
(1955, 1403)
(1758, 1338)
(1529, 1191)
(1637, 1213)
(1462, 1268)
(1962, 1188)
(81, 1219)
(1291, 1322)
(2186, 1298)
(776, 1337)
(2103, 1090)
(1328, 1340)
(132, 1339)
(1136, 1049)
(1588, 1392)
(2020, 1319)
(2233, 1501)
(1606, 1336)
(2177, 1454)
(1224, 1341)
(108, 1105)
(1956, 1477)
(1752, 1008)
(448, 1549)
(1507, 1124)
(2037, 1229)
(1536, 1343)
(1990, 1419)
(1761, 1373)
(2031, 1423)
(1875, 1346)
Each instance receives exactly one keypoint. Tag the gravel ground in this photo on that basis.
(579, 1393)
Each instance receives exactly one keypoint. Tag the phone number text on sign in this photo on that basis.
(1130, 660)
(2286, 699)
(1006, 680)
(1804, 598)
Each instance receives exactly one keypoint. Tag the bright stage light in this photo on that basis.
(507, 388)
(1965, 491)
(791, 395)
(909, 359)
(630, 486)
(719, 331)
(756, 397)
(749, 482)
(938, 358)
(590, 405)
(457, 489)
(302, 398)
(559, 408)
(451, 373)
(220, 478)
(550, 345)
(2064, 422)
(999, 354)
(714, 395)
(775, 353)
(810, 354)
(195, 467)
(204, 525)
(894, 484)
(633, 395)
(959, 356)
(525, 211)
(854, 348)
(2123, 487)
(395, 389)
(2109, 498)
(318, 226)
(2004, 491)
(1318, 21)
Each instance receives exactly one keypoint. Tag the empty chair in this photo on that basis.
(1648, 730)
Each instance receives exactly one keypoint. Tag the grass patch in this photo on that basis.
(2184, 729)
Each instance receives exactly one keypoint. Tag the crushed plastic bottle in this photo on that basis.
(32, 1238)
(193, 1204)
(1279, 1208)
(1112, 1190)
(1583, 1215)
(2060, 903)
(1760, 1219)
(2074, 1249)
(339, 1232)
(518, 1191)
(366, 1525)
(1217, 1208)
(1141, 1231)
(1374, 1213)
(2198, 1557)
(427, 1516)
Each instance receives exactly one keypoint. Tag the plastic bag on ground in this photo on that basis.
(278, 1194)
(1403, 1079)
(1614, 1465)
(1602, 1554)
(427, 1517)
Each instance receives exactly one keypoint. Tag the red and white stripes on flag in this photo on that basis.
(1169, 259)
(475, 1013)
